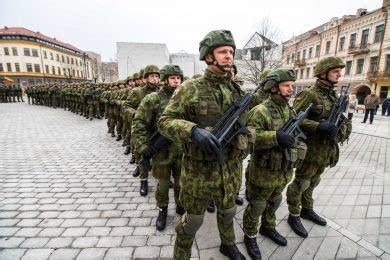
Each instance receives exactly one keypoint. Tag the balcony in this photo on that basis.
(378, 74)
(300, 63)
(359, 49)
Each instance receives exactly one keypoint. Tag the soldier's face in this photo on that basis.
(174, 81)
(224, 57)
(153, 78)
(334, 75)
(286, 88)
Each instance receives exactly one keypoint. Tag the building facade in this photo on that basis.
(361, 40)
(29, 58)
(109, 72)
(95, 61)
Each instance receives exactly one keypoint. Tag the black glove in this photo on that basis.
(284, 140)
(328, 129)
(205, 140)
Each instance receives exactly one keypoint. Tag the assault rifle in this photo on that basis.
(292, 129)
(230, 124)
(157, 142)
(337, 117)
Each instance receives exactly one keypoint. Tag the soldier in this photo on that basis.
(19, 93)
(167, 161)
(268, 172)
(127, 118)
(195, 106)
(322, 150)
(3, 97)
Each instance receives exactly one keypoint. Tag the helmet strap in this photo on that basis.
(216, 64)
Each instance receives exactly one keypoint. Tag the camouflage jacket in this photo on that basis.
(321, 150)
(266, 163)
(201, 102)
(145, 119)
(136, 95)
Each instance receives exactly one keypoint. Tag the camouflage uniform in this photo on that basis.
(201, 102)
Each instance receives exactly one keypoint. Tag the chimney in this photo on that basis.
(360, 12)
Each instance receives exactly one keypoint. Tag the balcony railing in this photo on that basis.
(378, 74)
(358, 49)
(300, 63)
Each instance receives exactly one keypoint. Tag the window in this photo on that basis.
(17, 67)
(64, 71)
(47, 69)
(82, 74)
(304, 55)
(373, 64)
(364, 40)
(29, 67)
(53, 70)
(62, 58)
(379, 33)
(255, 54)
(51, 56)
(71, 61)
(9, 67)
(292, 57)
(348, 66)
(288, 58)
(67, 59)
(1, 67)
(37, 68)
(384, 92)
(34, 52)
(77, 73)
(59, 70)
(301, 76)
(352, 40)
(327, 48)
(26, 52)
(307, 73)
(359, 67)
(310, 52)
(6, 51)
(298, 55)
(57, 57)
(76, 61)
(387, 68)
(45, 54)
(317, 51)
(14, 51)
(342, 42)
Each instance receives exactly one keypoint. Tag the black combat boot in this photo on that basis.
(247, 197)
(143, 190)
(309, 214)
(180, 210)
(231, 251)
(119, 137)
(128, 150)
(132, 159)
(274, 235)
(136, 172)
(86, 117)
(211, 207)
(108, 131)
(296, 225)
(239, 201)
(91, 118)
(252, 248)
(161, 221)
(124, 143)
(112, 133)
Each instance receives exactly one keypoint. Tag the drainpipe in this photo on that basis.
(384, 9)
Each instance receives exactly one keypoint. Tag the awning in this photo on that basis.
(8, 79)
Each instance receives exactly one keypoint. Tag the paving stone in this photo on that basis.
(34, 254)
(11, 254)
(8, 231)
(308, 248)
(121, 231)
(85, 242)
(75, 222)
(147, 252)
(120, 253)
(28, 232)
(74, 232)
(110, 242)
(91, 253)
(61, 254)
(115, 222)
(98, 231)
(95, 222)
(134, 241)
(34, 242)
(59, 242)
(10, 242)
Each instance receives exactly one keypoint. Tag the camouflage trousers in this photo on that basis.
(118, 119)
(112, 118)
(93, 109)
(300, 191)
(191, 221)
(264, 202)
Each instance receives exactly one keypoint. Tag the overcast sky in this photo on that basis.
(95, 25)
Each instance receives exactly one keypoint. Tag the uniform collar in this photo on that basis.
(278, 99)
(211, 76)
(324, 86)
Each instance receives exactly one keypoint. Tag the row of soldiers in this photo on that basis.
(11, 93)
(160, 107)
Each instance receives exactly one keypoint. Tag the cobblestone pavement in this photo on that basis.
(66, 192)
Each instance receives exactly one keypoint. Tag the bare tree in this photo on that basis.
(261, 53)
(95, 68)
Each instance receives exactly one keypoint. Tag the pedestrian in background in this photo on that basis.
(370, 103)
(352, 104)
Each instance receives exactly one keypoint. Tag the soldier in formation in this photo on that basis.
(11, 93)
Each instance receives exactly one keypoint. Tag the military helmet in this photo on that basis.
(195, 76)
(326, 64)
(213, 40)
(151, 69)
(141, 74)
(277, 76)
(136, 76)
(171, 70)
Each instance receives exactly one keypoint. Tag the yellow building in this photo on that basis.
(361, 40)
(30, 58)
